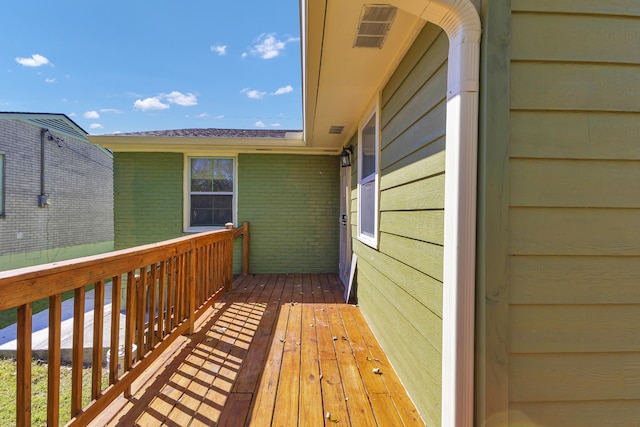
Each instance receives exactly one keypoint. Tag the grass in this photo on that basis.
(39, 392)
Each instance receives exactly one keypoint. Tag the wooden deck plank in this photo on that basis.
(311, 410)
(248, 378)
(242, 329)
(203, 365)
(402, 402)
(287, 398)
(277, 350)
(333, 398)
(360, 411)
(265, 395)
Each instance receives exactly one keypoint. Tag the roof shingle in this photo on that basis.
(214, 133)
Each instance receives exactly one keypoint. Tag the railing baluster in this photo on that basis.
(161, 299)
(23, 376)
(116, 290)
(179, 288)
(201, 275)
(141, 285)
(77, 350)
(171, 268)
(211, 271)
(191, 309)
(53, 359)
(129, 325)
(98, 330)
(152, 307)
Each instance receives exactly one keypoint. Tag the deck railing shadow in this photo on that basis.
(225, 355)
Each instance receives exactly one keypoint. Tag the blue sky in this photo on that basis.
(125, 66)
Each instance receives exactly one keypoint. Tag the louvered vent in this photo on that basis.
(336, 130)
(374, 25)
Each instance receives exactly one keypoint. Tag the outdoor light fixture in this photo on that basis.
(345, 156)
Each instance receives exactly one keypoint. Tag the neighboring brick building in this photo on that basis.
(56, 191)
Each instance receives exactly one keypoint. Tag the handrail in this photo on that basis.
(168, 286)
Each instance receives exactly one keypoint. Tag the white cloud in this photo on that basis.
(275, 125)
(110, 110)
(187, 100)
(155, 103)
(244, 55)
(268, 46)
(91, 115)
(293, 39)
(283, 90)
(95, 126)
(150, 104)
(50, 80)
(36, 60)
(259, 124)
(253, 94)
(219, 49)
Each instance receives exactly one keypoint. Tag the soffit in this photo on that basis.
(341, 80)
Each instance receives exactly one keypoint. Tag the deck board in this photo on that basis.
(278, 350)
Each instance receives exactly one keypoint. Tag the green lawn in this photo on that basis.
(39, 392)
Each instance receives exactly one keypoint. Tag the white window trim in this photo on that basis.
(186, 208)
(375, 177)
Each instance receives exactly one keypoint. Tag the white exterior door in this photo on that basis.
(345, 225)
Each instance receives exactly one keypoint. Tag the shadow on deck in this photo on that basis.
(277, 350)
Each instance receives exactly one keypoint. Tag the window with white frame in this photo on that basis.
(211, 191)
(1, 185)
(368, 181)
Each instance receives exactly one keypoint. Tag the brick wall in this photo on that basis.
(148, 198)
(78, 179)
(292, 204)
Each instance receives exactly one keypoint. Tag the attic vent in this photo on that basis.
(336, 130)
(375, 22)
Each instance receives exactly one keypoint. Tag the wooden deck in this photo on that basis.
(279, 350)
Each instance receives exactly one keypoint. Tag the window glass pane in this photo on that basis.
(223, 175)
(201, 175)
(368, 150)
(367, 208)
(209, 210)
(202, 202)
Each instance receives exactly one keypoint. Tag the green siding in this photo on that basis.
(292, 204)
(573, 208)
(399, 285)
(148, 198)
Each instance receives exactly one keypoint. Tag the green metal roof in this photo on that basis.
(58, 123)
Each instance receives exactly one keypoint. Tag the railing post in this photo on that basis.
(245, 248)
(191, 287)
(23, 360)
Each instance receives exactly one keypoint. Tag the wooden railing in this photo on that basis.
(168, 285)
